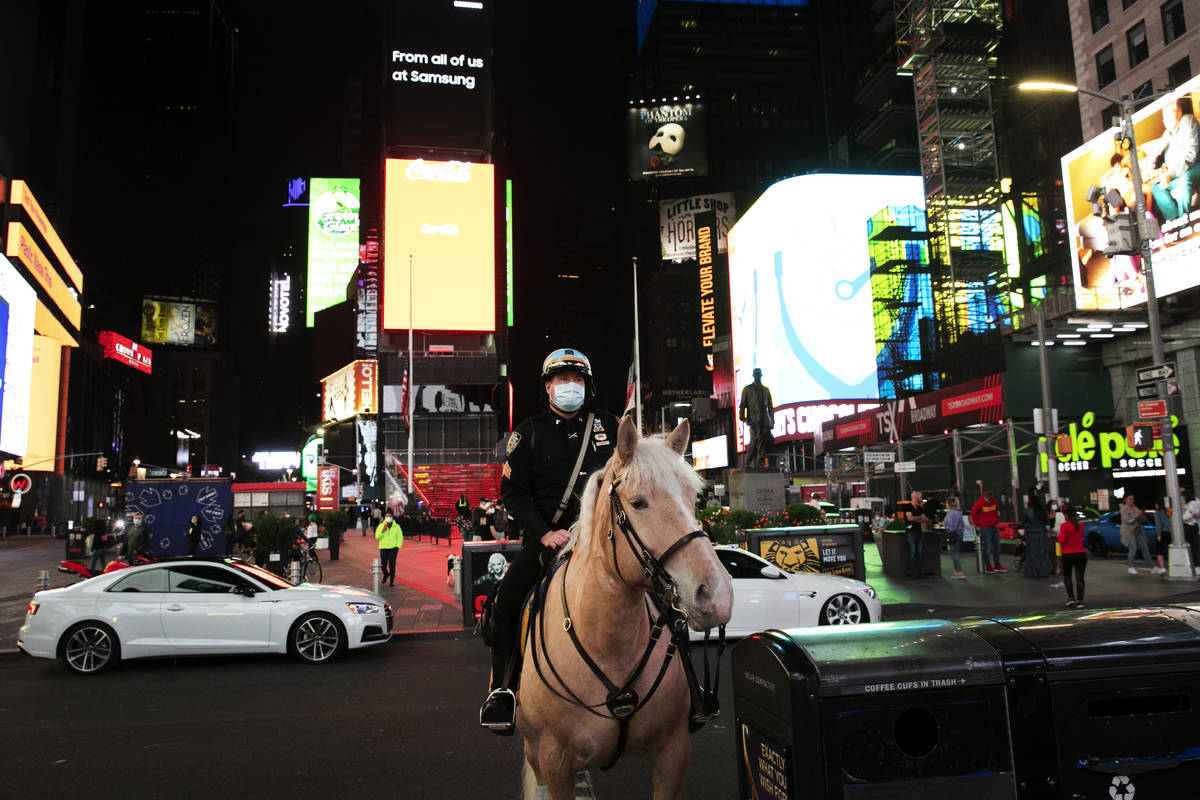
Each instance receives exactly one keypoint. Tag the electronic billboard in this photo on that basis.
(1116, 282)
(800, 286)
(21, 301)
(333, 218)
(441, 214)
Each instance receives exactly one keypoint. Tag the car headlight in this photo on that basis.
(362, 608)
(868, 591)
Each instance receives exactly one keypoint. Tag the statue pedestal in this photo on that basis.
(757, 491)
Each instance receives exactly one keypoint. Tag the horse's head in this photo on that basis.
(658, 492)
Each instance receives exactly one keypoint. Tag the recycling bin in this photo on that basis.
(890, 710)
(483, 565)
(1102, 703)
(828, 549)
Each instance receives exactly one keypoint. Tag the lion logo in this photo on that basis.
(800, 557)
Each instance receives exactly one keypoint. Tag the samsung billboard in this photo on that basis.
(800, 286)
(439, 216)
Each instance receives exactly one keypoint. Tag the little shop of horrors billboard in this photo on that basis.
(968, 403)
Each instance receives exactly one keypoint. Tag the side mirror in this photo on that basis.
(246, 590)
(771, 571)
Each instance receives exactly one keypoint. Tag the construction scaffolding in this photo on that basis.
(949, 48)
(897, 241)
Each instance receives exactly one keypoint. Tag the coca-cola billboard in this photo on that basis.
(327, 488)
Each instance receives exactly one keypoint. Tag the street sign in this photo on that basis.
(905, 466)
(1148, 391)
(1152, 409)
(1156, 372)
(878, 457)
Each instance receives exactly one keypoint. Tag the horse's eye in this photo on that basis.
(639, 503)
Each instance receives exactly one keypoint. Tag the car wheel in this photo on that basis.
(1096, 545)
(844, 609)
(89, 648)
(316, 638)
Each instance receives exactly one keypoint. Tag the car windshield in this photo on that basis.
(272, 580)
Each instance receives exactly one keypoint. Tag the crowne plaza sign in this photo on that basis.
(126, 351)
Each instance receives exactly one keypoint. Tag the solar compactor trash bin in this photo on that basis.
(1103, 703)
(893, 710)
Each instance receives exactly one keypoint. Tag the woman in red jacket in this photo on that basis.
(1074, 555)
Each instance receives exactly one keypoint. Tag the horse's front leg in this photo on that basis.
(670, 765)
(552, 767)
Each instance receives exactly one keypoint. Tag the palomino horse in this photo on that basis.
(597, 608)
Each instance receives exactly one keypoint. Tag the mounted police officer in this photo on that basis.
(550, 457)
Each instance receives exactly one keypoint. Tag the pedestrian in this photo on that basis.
(1056, 519)
(234, 539)
(917, 520)
(135, 538)
(391, 539)
(1074, 555)
(548, 461)
(376, 513)
(193, 534)
(498, 522)
(954, 530)
(1162, 530)
(1133, 536)
(479, 520)
(985, 516)
(462, 508)
(878, 523)
(1037, 543)
(100, 542)
(1191, 525)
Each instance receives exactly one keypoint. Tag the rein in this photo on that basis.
(622, 701)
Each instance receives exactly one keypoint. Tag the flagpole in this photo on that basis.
(411, 400)
(637, 354)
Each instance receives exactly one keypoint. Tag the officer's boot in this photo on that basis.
(499, 710)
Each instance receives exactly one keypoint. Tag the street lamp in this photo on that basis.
(1180, 555)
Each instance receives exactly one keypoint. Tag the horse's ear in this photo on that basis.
(678, 440)
(627, 439)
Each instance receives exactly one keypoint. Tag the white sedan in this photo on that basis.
(198, 607)
(765, 596)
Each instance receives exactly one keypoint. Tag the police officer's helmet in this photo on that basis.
(564, 359)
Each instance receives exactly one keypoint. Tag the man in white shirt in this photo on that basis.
(1191, 523)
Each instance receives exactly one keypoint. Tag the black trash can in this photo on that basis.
(1103, 703)
(891, 710)
(335, 544)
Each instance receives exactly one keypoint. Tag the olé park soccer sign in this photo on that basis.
(1095, 449)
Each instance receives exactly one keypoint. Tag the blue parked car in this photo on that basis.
(1104, 534)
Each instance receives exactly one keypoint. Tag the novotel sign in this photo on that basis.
(279, 315)
(126, 351)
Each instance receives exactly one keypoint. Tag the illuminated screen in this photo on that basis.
(441, 213)
(18, 359)
(332, 241)
(800, 286)
(181, 323)
(43, 410)
(1103, 282)
(710, 453)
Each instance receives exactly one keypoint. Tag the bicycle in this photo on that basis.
(305, 552)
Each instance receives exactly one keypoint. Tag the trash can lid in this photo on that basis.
(904, 656)
(1154, 637)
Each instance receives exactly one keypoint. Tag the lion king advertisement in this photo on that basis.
(809, 553)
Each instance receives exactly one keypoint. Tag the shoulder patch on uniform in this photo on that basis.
(513, 441)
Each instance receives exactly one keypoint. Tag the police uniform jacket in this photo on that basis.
(541, 454)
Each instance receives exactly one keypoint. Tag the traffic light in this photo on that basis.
(1122, 235)
(101, 463)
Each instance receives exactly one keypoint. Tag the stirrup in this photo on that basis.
(495, 697)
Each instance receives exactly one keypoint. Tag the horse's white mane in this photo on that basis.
(654, 464)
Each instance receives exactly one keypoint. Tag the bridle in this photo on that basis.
(622, 701)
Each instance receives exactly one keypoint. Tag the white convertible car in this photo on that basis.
(198, 607)
(765, 596)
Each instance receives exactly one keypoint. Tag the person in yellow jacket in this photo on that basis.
(390, 539)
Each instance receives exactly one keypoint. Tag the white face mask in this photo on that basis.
(568, 397)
